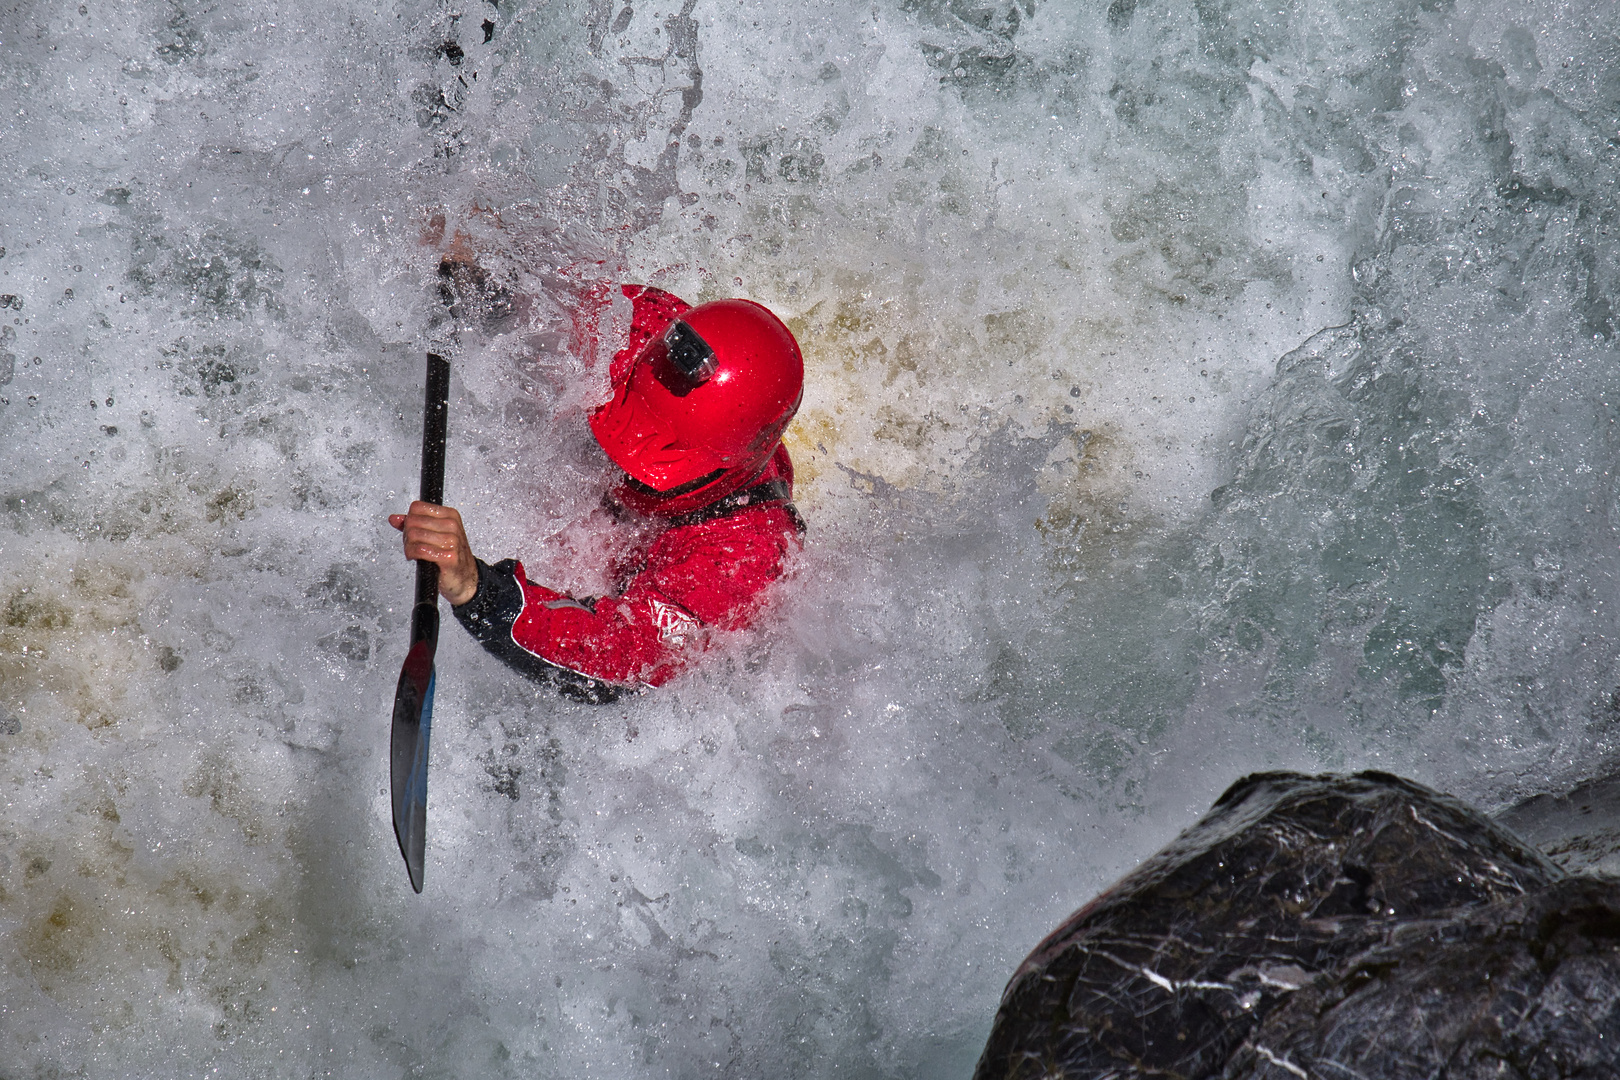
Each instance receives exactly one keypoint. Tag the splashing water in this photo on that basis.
(1194, 388)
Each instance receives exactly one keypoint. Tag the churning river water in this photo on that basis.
(1194, 387)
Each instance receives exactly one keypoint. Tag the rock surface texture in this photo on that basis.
(1326, 927)
(1580, 831)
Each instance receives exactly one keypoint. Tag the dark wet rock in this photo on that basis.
(1580, 831)
(1310, 923)
(1525, 988)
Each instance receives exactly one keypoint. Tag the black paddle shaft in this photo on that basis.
(433, 436)
(413, 698)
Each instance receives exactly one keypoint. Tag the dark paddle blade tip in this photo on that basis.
(408, 756)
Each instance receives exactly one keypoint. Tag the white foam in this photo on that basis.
(1080, 554)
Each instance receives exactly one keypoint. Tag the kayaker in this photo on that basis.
(701, 396)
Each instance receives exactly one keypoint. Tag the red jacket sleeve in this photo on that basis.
(712, 574)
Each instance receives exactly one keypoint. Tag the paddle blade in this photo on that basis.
(408, 755)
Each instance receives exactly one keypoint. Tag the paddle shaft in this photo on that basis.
(434, 420)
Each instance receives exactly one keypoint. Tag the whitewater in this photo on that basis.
(1193, 387)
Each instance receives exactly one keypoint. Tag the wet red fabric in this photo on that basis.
(692, 579)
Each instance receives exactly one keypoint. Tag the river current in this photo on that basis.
(1194, 387)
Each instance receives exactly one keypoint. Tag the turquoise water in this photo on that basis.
(1193, 388)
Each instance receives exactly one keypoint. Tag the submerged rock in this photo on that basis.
(1580, 831)
(1326, 927)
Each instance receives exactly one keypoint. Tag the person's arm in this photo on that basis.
(709, 575)
(695, 578)
(486, 600)
(596, 648)
(494, 609)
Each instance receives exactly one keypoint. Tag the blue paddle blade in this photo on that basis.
(408, 754)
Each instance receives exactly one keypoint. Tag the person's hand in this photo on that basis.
(435, 533)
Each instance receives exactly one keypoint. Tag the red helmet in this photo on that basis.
(699, 411)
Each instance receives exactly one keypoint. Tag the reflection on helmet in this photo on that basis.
(699, 411)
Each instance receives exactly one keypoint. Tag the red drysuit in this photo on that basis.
(708, 569)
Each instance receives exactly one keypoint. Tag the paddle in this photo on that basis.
(413, 700)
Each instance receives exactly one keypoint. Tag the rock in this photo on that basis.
(1522, 988)
(1307, 923)
(1579, 831)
